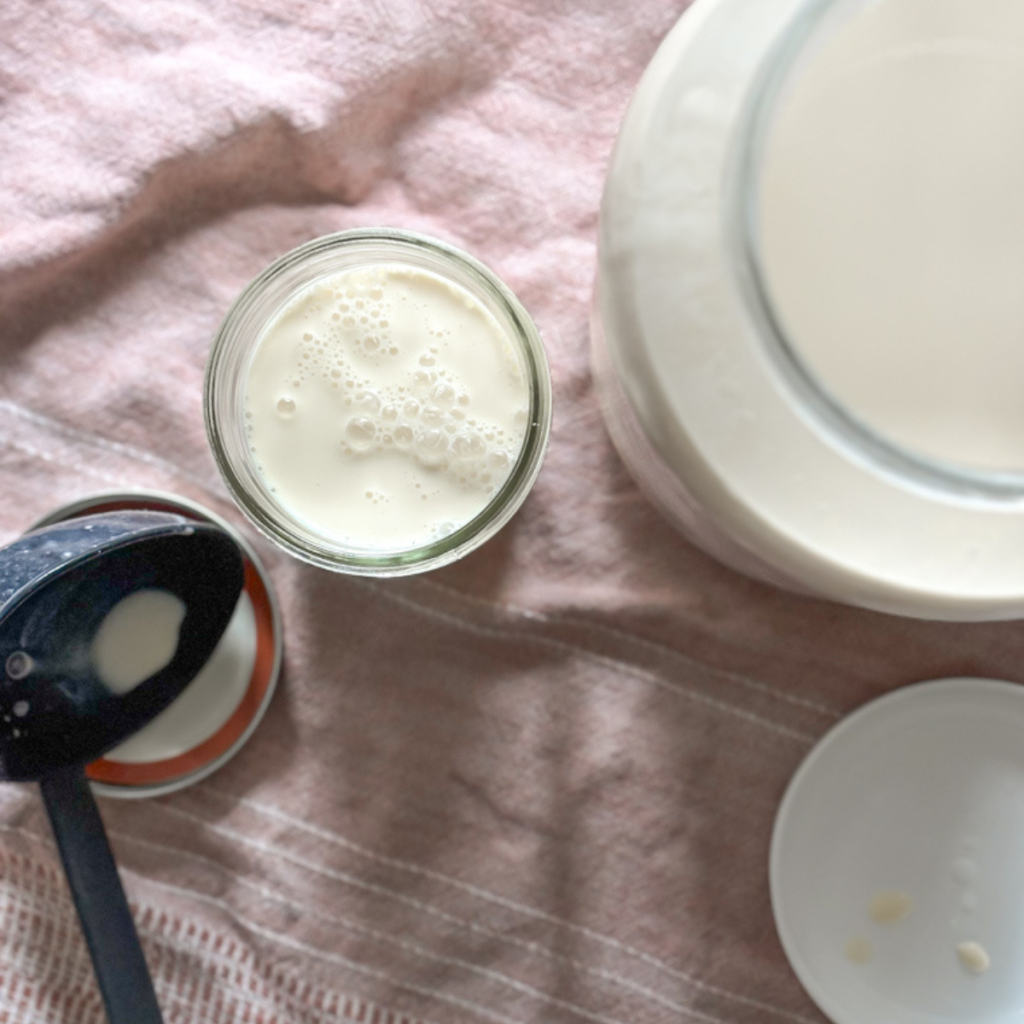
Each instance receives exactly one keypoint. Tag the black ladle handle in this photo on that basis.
(117, 959)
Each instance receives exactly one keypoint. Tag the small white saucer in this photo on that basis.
(920, 792)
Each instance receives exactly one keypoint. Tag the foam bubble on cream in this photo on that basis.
(385, 407)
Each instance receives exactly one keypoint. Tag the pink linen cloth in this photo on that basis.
(536, 786)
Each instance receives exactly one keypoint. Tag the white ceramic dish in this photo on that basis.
(922, 792)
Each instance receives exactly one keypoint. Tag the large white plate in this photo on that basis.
(921, 791)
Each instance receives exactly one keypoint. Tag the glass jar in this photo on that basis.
(732, 429)
(275, 292)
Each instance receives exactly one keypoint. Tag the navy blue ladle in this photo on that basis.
(57, 585)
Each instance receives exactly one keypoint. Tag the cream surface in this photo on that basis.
(892, 227)
(136, 639)
(385, 407)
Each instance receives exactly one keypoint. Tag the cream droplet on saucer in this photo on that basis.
(859, 951)
(137, 638)
(974, 957)
(889, 906)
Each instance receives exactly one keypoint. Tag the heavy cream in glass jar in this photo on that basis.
(809, 317)
(378, 402)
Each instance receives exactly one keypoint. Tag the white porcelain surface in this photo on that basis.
(921, 791)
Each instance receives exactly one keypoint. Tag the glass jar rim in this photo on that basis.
(239, 334)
